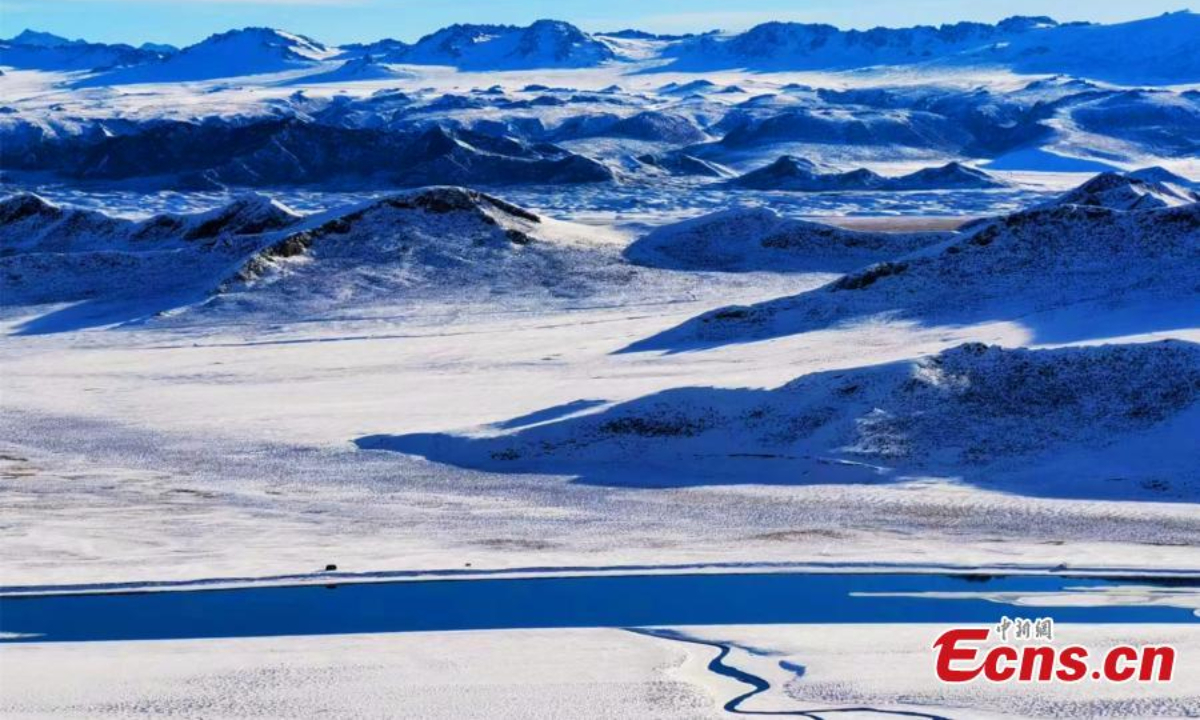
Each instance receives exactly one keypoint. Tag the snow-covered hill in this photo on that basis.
(680, 163)
(1163, 176)
(651, 125)
(30, 224)
(1156, 122)
(1128, 192)
(798, 174)
(992, 416)
(842, 127)
(756, 239)
(126, 269)
(434, 241)
(1025, 265)
(260, 254)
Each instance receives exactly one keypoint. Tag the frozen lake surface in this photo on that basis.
(578, 602)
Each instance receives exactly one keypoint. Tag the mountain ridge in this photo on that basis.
(1155, 50)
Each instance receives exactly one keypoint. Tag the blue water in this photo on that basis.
(548, 602)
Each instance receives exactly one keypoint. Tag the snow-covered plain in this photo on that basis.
(239, 346)
(838, 671)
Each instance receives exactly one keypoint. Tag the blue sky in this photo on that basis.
(337, 21)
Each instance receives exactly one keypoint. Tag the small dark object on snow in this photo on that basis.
(330, 567)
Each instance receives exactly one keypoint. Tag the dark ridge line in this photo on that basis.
(759, 685)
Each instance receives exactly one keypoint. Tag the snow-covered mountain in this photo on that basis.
(249, 51)
(802, 46)
(865, 131)
(1158, 50)
(1164, 49)
(34, 50)
(37, 38)
(544, 44)
(251, 128)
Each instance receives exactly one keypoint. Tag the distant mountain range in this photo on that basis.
(216, 154)
(1159, 50)
(32, 50)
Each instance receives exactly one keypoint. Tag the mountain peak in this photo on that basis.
(1124, 192)
(234, 53)
(42, 39)
(1155, 50)
(544, 43)
(299, 45)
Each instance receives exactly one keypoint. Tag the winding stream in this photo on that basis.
(759, 685)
